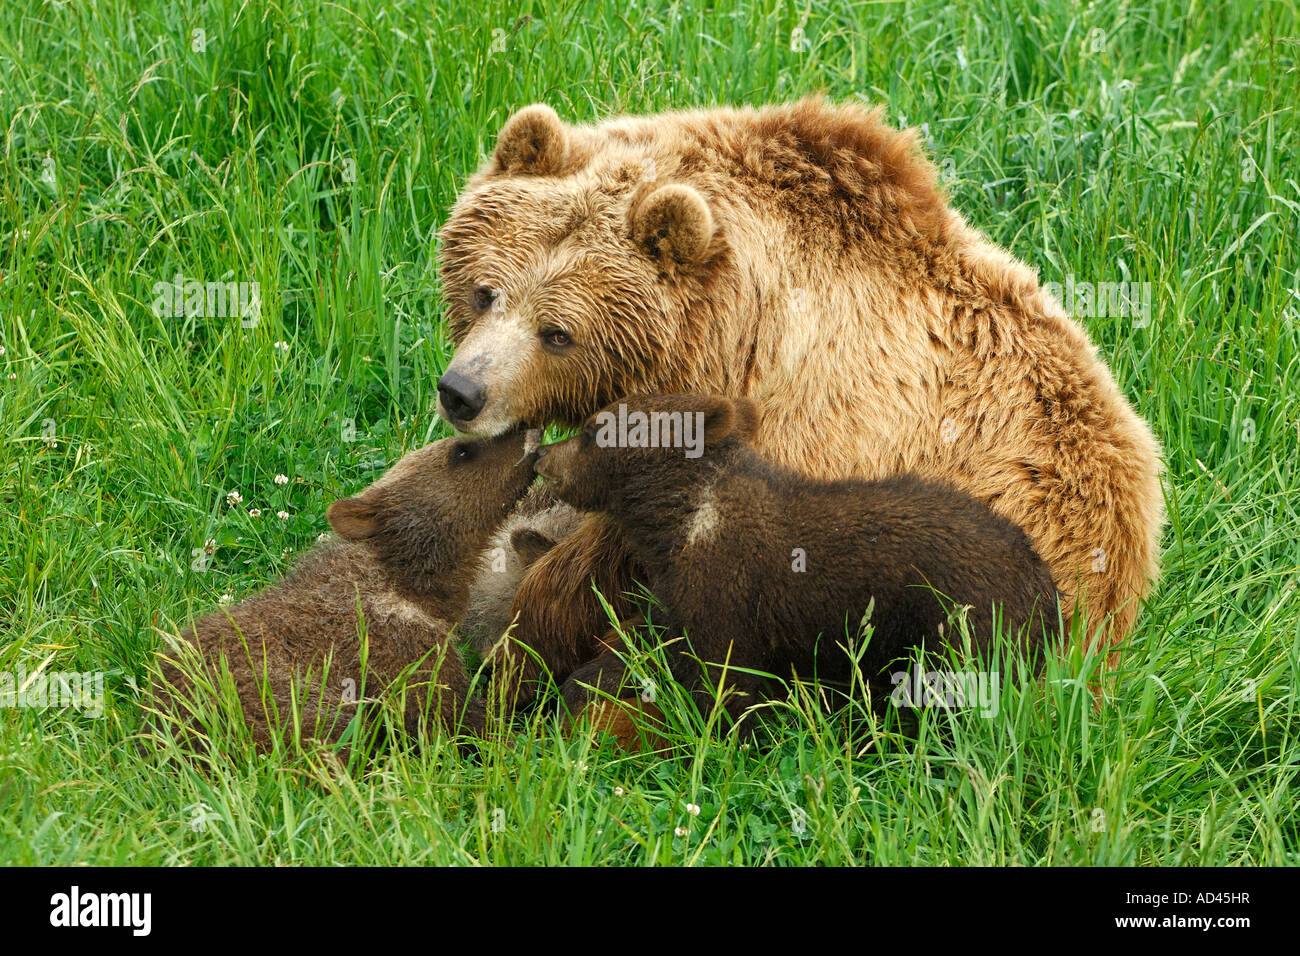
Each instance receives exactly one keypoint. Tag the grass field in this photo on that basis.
(314, 149)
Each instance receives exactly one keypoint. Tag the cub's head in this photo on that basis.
(646, 447)
(436, 507)
(567, 266)
(538, 524)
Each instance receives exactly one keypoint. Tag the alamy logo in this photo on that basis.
(78, 690)
(1104, 300)
(947, 689)
(208, 300)
(75, 908)
(654, 430)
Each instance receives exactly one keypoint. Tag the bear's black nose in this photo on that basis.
(461, 398)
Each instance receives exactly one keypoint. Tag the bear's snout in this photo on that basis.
(540, 462)
(461, 398)
(551, 461)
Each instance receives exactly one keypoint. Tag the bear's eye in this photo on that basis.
(484, 297)
(556, 338)
(464, 451)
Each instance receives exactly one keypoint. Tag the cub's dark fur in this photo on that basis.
(721, 538)
(538, 523)
(407, 551)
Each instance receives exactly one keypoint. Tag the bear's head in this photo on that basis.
(536, 526)
(568, 266)
(434, 510)
(646, 449)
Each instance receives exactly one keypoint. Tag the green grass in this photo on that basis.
(315, 148)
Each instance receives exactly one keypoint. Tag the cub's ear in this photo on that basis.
(719, 418)
(747, 417)
(673, 223)
(354, 518)
(533, 142)
(530, 544)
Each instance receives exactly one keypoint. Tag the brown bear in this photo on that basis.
(800, 255)
(406, 553)
(764, 569)
(538, 523)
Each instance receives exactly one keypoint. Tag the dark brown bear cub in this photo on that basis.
(407, 551)
(766, 569)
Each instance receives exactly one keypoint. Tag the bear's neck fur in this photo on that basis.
(430, 573)
(433, 572)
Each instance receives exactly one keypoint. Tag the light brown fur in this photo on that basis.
(828, 279)
(538, 523)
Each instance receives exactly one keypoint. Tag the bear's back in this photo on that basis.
(898, 540)
(300, 639)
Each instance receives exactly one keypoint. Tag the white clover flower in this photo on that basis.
(225, 599)
(210, 545)
(234, 498)
(282, 515)
(282, 345)
(13, 376)
(255, 512)
(618, 791)
(681, 832)
(322, 536)
(693, 809)
(2, 350)
(281, 479)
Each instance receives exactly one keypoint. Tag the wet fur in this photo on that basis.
(828, 279)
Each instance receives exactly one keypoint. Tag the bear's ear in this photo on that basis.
(672, 223)
(530, 544)
(747, 417)
(533, 142)
(719, 418)
(354, 518)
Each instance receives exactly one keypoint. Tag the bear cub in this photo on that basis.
(537, 525)
(406, 553)
(766, 569)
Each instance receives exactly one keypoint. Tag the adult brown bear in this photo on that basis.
(803, 256)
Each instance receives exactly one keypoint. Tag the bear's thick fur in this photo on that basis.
(539, 522)
(765, 570)
(406, 554)
(800, 255)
